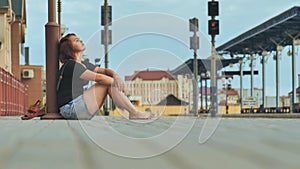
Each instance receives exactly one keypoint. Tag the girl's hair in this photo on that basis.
(65, 48)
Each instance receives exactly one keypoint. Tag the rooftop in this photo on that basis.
(150, 75)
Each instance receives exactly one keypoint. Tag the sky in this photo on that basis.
(135, 35)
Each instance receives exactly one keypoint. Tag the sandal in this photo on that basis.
(34, 111)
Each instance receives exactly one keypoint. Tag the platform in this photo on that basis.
(237, 143)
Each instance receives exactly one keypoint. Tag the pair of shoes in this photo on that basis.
(34, 111)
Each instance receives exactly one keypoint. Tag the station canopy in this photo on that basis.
(204, 65)
(278, 29)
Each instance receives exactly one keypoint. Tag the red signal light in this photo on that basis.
(213, 27)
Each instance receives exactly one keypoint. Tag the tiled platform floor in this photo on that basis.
(236, 144)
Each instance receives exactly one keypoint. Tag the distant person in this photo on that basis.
(76, 103)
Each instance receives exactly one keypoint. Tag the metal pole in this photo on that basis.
(59, 16)
(106, 33)
(252, 80)
(52, 38)
(201, 97)
(195, 46)
(294, 84)
(263, 83)
(206, 96)
(107, 104)
(213, 94)
(277, 81)
(278, 49)
(213, 87)
(293, 76)
(195, 93)
(226, 95)
(241, 85)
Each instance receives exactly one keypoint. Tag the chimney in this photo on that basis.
(27, 56)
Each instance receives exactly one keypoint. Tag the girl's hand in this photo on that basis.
(119, 84)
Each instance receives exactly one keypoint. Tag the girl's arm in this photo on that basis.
(97, 77)
(105, 78)
(105, 71)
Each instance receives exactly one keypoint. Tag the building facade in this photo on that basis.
(6, 18)
(152, 86)
(28, 77)
(12, 35)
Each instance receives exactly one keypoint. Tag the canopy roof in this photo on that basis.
(278, 29)
(204, 65)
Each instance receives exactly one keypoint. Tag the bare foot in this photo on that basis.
(141, 116)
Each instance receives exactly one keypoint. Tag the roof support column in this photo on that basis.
(241, 84)
(278, 50)
(294, 85)
(263, 62)
(252, 79)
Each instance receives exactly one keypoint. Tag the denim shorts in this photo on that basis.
(76, 110)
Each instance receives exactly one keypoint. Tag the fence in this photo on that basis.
(13, 95)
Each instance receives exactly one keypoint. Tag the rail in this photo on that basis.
(13, 95)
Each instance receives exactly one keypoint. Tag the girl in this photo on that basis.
(76, 103)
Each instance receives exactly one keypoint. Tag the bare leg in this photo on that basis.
(122, 101)
(96, 94)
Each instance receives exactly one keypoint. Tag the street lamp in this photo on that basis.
(194, 44)
(106, 39)
(226, 86)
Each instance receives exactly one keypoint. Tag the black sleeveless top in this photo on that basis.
(71, 85)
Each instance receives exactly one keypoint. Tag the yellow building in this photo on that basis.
(150, 87)
(147, 89)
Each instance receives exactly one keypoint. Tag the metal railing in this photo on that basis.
(13, 95)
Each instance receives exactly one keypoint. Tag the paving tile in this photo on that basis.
(237, 143)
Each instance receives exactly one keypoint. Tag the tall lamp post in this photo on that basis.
(213, 30)
(106, 39)
(194, 44)
(52, 38)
